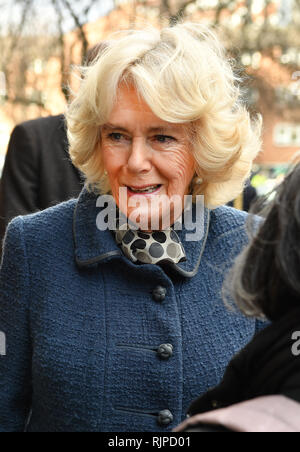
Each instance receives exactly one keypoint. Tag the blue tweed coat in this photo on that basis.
(83, 327)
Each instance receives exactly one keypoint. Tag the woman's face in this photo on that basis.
(148, 158)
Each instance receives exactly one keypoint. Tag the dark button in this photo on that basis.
(159, 294)
(165, 418)
(165, 351)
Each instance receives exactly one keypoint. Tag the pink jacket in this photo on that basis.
(264, 414)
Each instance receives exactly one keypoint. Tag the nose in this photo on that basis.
(139, 160)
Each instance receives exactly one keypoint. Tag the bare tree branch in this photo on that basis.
(79, 25)
(61, 41)
(87, 9)
(248, 16)
(17, 35)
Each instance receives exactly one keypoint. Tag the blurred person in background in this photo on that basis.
(38, 172)
(260, 391)
(245, 199)
(112, 329)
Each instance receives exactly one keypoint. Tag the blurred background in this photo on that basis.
(40, 40)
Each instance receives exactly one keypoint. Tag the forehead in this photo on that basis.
(128, 98)
(131, 111)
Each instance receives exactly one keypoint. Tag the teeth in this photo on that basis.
(146, 190)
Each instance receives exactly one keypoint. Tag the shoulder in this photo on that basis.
(226, 221)
(227, 236)
(37, 129)
(57, 214)
(45, 123)
(38, 243)
(45, 136)
(48, 226)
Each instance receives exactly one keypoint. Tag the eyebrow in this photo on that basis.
(155, 129)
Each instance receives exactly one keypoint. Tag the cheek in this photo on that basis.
(178, 168)
(109, 158)
(112, 161)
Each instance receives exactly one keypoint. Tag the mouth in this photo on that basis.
(145, 190)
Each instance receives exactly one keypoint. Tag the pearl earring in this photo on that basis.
(199, 181)
(105, 173)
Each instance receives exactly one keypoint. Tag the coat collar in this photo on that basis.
(93, 246)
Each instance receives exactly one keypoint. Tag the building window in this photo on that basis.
(286, 134)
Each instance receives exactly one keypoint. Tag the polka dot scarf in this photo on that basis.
(151, 248)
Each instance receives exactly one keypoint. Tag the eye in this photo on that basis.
(115, 136)
(164, 138)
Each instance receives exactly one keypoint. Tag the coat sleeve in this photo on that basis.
(19, 181)
(15, 346)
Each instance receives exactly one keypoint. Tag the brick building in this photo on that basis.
(274, 90)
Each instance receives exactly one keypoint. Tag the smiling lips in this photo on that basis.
(144, 190)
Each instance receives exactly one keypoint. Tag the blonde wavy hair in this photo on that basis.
(183, 74)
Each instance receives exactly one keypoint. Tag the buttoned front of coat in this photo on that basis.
(97, 343)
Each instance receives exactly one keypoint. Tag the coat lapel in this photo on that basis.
(91, 245)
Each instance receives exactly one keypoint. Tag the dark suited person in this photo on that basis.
(246, 199)
(38, 172)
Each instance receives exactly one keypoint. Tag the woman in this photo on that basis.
(119, 330)
(260, 391)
